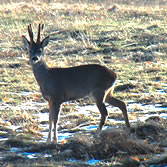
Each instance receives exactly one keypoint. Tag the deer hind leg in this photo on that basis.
(120, 104)
(99, 96)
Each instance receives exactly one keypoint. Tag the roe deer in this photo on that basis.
(58, 85)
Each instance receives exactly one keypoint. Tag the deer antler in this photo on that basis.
(38, 36)
(30, 33)
(40, 27)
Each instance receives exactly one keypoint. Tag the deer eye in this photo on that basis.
(30, 51)
(39, 51)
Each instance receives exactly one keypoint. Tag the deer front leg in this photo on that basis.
(55, 114)
(50, 121)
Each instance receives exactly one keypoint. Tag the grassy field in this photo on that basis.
(129, 37)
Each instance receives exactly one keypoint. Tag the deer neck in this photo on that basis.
(40, 71)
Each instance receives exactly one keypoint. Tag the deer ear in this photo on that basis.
(45, 41)
(26, 42)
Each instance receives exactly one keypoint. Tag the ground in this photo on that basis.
(128, 37)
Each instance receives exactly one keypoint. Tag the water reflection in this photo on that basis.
(90, 162)
(30, 155)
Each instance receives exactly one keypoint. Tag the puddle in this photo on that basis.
(161, 91)
(158, 166)
(61, 136)
(24, 93)
(18, 151)
(3, 138)
(93, 161)
(15, 149)
(161, 107)
(90, 162)
(87, 110)
(29, 155)
(90, 127)
(29, 105)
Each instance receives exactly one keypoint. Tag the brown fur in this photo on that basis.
(58, 85)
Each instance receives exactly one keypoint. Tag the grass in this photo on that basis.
(129, 38)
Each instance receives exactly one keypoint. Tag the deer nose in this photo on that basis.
(35, 59)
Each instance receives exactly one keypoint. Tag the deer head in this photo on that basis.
(35, 49)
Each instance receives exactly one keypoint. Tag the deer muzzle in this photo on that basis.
(35, 59)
